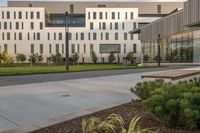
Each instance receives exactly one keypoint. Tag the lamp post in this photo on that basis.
(66, 42)
(158, 57)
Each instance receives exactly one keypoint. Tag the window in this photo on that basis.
(0, 25)
(38, 15)
(78, 48)
(22, 25)
(100, 25)
(32, 15)
(5, 47)
(15, 48)
(118, 15)
(107, 48)
(30, 5)
(124, 48)
(26, 15)
(101, 5)
(8, 14)
(89, 36)
(11, 25)
(32, 25)
(116, 36)
(38, 36)
(60, 36)
(132, 36)
(70, 36)
(126, 15)
(57, 48)
(101, 36)
(73, 48)
(20, 15)
(54, 36)
(50, 49)
(104, 25)
(17, 25)
(100, 15)
(94, 36)
(134, 25)
(91, 48)
(41, 25)
(106, 15)
(125, 36)
(94, 15)
(134, 48)
(32, 48)
(28, 36)
(88, 15)
(33, 36)
(113, 15)
(123, 26)
(2, 15)
(132, 15)
(3, 36)
(14, 15)
(116, 26)
(41, 48)
(71, 8)
(76, 36)
(84, 48)
(91, 26)
(15, 36)
(20, 36)
(159, 8)
(48, 36)
(8, 36)
(62, 48)
(82, 36)
(5, 26)
(107, 36)
(111, 26)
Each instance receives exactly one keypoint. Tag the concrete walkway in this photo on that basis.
(44, 104)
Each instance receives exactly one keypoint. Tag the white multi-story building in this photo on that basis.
(28, 29)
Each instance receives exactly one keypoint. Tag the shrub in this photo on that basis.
(21, 58)
(111, 57)
(5, 58)
(35, 59)
(111, 124)
(56, 59)
(176, 104)
(75, 58)
(94, 57)
(131, 57)
(146, 58)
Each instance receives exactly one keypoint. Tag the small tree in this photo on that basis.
(131, 57)
(75, 58)
(35, 59)
(20, 58)
(94, 57)
(39, 58)
(111, 57)
(57, 59)
(146, 58)
(5, 58)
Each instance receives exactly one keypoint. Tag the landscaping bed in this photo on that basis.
(126, 111)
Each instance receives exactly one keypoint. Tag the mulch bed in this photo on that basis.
(126, 111)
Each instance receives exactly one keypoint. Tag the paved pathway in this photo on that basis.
(36, 103)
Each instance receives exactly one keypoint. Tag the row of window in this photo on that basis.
(113, 15)
(20, 15)
(18, 25)
(104, 48)
(59, 36)
(112, 26)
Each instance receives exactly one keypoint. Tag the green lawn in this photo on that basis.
(23, 70)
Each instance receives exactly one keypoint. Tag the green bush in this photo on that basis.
(131, 57)
(35, 59)
(75, 58)
(55, 59)
(177, 105)
(111, 57)
(21, 58)
(94, 57)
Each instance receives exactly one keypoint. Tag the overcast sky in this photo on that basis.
(3, 2)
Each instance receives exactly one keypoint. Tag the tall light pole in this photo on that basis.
(66, 42)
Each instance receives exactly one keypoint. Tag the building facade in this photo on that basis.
(177, 35)
(39, 27)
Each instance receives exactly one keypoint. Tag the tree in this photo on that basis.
(75, 58)
(111, 57)
(20, 58)
(146, 58)
(131, 57)
(94, 57)
(58, 58)
(5, 58)
(35, 59)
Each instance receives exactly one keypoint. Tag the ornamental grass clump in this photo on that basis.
(176, 104)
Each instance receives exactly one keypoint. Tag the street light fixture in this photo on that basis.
(66, 42)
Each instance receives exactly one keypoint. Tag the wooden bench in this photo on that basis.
(172, 75)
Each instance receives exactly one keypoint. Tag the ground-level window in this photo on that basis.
(41, 48)
(107, 48)
(124, 48)
(73, 48)
(15, 48)
(32, 48)
(91, 48)
(57, 48)
(134, 48)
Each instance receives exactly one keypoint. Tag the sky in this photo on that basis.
(3, 2)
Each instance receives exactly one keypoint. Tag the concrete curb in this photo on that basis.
(33, 127)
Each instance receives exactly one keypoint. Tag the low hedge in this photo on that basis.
(176, 104)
